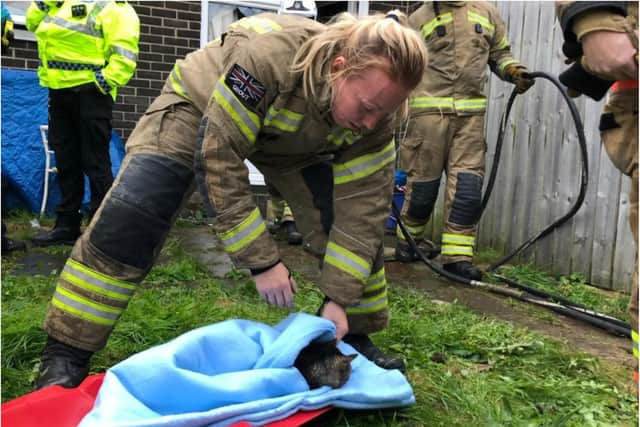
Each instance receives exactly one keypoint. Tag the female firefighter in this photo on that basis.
(313, 107)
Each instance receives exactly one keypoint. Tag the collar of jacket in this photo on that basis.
(322, 103)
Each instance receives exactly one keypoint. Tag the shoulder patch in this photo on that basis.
(246, 87)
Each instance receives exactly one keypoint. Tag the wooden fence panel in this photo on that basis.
(540, 167)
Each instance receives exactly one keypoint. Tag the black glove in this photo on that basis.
(579, 81)
(519, 76)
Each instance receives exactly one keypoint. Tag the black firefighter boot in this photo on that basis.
(10, 245)
(294, 237)
(63, 365)
(368, 349)
(65, 232)
(464, 269)
(405, 253)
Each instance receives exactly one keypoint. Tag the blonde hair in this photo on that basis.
(380, 41)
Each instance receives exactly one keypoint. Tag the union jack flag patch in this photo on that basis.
(246, 87)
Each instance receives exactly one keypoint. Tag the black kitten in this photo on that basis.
(321, 363)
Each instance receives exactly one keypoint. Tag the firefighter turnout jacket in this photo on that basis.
(81, 42)
(619, 119)
(462, 38)
(256, 109)
(239, 94)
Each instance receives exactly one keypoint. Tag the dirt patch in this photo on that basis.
(201, 243)
(580, 336)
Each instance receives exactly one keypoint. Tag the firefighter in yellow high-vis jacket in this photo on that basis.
(446, 127)
(601, 38)
(312, 106)
(87, 50)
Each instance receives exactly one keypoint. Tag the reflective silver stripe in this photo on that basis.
(237, 111)
(375, 279)
(503, 43)
(97, 283)
(364, 166)
(244, 233)
(259, 25)
(89, 28)
(78, 28)
(382, 300)
(443, 19)
(340, 135)
(132, 56)
(505, 62)
(92, 311)
(283, 119)
(176, 81)
(340, 258)
(470, 104)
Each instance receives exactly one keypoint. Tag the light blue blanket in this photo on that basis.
(237, 370)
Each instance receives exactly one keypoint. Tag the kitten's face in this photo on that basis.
(322, 364)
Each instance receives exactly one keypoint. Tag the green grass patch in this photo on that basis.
(465, 369)
(574, 287)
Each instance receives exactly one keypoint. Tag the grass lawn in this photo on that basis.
(465, 369)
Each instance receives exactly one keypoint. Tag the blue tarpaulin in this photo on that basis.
(24, 109)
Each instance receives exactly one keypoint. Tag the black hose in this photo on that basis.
(583, 176)
(574, 310)
(558, 304)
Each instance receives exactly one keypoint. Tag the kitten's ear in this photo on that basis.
(351, 356)
(333, 342)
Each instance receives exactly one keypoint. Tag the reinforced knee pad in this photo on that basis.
(140, 209)
(465, 209)
(200, 174)
(423, 197)
(319, 180)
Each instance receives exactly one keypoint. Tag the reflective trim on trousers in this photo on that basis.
(345, 260)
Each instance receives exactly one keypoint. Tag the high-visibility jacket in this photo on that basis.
(81, 42)
(462, 38)
(256, 109)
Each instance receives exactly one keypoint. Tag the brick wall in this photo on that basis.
(168, 31)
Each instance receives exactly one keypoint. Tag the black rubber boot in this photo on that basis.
(65, 232)
(294, 237)
(368, 349)
(464, 269)
(274, 226)
(404, 252)
(10, 245)
(63, 365)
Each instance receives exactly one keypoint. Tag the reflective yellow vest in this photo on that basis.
(81, 42)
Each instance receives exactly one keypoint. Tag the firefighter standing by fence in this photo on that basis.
(601, 38)
(446, 127)
(322, 128)
(87, 50)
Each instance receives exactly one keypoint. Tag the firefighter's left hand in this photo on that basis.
(519, 76)
(610, 55)
(276, 286)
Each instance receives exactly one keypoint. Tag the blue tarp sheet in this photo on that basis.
(24, 109)
(236, 370)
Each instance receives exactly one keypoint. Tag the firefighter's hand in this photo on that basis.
(276, 286)
(519, 76)
(336, 313)
(609, 55)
